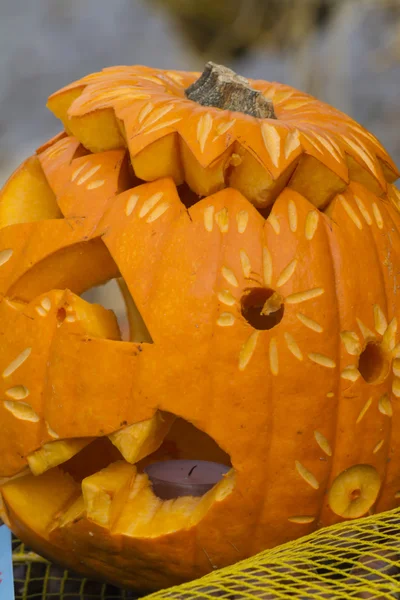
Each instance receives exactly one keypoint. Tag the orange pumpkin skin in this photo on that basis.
(299, 211)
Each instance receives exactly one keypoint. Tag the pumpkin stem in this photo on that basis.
(221, 87)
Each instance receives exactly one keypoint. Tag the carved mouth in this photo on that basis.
(102, 481)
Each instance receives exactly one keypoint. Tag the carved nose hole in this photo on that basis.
(373, 363)
(263, 308)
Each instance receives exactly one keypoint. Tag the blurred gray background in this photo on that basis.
(346, 52)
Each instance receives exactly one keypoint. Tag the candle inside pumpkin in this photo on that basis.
(176, 478)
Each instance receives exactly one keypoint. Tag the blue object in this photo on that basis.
(6, 567)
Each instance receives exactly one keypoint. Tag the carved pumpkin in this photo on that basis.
(255, 232)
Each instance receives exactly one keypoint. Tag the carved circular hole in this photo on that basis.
(263, 308)
(355, 494)
(354, 491)
(373, 364)
(61, 314)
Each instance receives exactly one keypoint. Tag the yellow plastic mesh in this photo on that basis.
(356, 559)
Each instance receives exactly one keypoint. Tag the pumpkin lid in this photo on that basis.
(136, 106)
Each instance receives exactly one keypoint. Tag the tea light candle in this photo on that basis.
(175, 478)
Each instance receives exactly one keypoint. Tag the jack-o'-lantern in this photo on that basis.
(255, 234)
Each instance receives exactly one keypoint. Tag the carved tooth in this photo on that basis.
(55, 453)
(141, 439)
(100, 489)
(72, 514)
